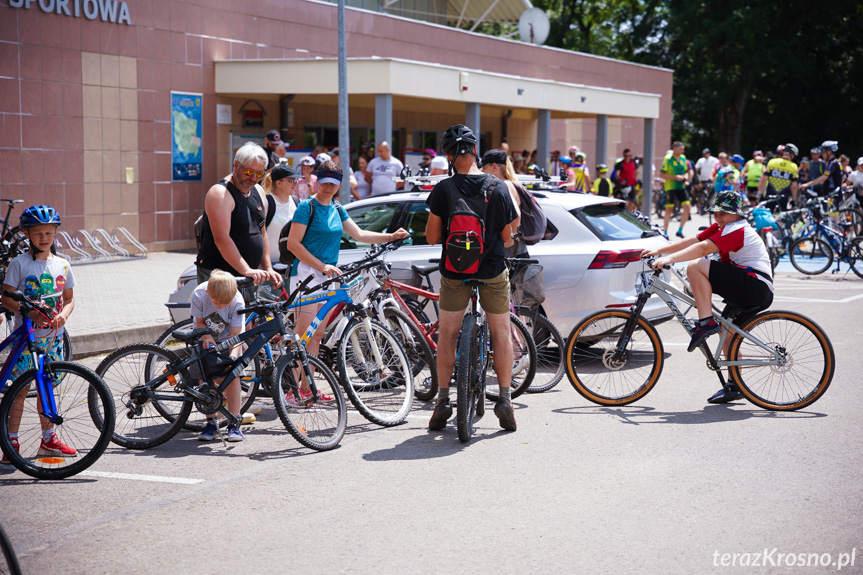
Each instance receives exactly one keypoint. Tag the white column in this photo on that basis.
(647, 169)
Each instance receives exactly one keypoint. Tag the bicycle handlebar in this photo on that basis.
(29, 304)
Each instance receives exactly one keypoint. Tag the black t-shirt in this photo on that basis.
(834, 180)
(499, 214)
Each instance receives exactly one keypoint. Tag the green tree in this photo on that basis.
(747, 74)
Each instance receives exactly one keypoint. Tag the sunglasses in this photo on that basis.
(250, 172)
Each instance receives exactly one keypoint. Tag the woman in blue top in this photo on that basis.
(316, 244)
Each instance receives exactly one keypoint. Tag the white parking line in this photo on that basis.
(135, 477)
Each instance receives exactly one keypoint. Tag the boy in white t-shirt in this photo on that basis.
(743, 276)
(41, 275)
(216, 304)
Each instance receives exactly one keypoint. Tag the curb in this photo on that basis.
(98, 343)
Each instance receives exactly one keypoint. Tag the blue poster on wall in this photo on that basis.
(186, 137)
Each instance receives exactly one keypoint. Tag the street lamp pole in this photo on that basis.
(344, 137)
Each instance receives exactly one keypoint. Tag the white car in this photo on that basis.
(590, 255)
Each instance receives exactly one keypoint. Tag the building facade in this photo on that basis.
(89, 89)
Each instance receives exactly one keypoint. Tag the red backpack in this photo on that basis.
(465, 242)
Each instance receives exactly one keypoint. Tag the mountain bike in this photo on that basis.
(780, 360)
(820, 244)
(68, 398)
(412, 308)
(373, 367)
(472, 361)
(160, 391)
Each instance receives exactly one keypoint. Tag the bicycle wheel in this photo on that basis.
(549, 350)
(805, 373)
(811, 256)
(523, 361)
(419, 353)
(145, 422)
(602, 375)
(316, 425)
(383, 395)
(855, 256)
(87, 411)
(467, 378)
(8, 560)
(249, 381)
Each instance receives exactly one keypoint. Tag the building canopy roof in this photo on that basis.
(423, 83)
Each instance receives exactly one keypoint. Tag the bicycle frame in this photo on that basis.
(23, 338)
(259, 336)
(394, 287)
(668, 293)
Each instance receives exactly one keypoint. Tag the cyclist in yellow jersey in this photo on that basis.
(780, 176)
(677, 174)
(752, 174)
(579, 175)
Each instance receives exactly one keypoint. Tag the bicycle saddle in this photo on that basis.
(733, 310)
(424, 270)
(280, 268)
(187, 336)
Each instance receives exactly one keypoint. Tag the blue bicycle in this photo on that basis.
(814, 252)
(372, 365)
(63, 425)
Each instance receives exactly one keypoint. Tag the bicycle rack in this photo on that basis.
(103, 237)
(130, 239)
(67, 242)
(93, 244)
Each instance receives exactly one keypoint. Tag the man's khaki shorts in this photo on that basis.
(494, 295)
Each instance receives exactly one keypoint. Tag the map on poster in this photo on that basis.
(186, 134)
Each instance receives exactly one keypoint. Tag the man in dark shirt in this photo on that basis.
(271, 142)
(460, 145)
(833, 175)
(234, 238)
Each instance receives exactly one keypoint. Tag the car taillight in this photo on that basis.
(607, 259)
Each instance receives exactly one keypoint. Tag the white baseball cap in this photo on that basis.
(860, 161)
(439, 162)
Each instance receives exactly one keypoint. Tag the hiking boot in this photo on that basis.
(5, 460)
(729, 392)
(442, 412)
(209, 431)
(505, 415)
(702, 332)
(234, 434)
(56, 448)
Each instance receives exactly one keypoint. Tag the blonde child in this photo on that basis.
(216, 304)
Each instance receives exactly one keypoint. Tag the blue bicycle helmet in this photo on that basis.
(565, 160)
(738, 158)
(37, 216)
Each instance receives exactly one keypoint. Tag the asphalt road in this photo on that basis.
(667, 485)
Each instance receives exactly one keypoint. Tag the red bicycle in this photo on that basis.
(407, 318)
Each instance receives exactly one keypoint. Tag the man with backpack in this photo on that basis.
(471, 216)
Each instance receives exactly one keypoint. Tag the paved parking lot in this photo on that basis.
(667, 485)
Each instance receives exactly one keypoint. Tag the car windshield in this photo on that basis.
(372, 218)
(611, 222)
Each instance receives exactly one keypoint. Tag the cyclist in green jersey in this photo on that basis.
(677, 174)
(752, 171)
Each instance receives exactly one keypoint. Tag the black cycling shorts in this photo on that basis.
(737, 287)
(680, 195)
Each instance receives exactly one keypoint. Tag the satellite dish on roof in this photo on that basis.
(533, 26)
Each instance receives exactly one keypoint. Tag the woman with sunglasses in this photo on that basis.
(314, 239)
(234, 238)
